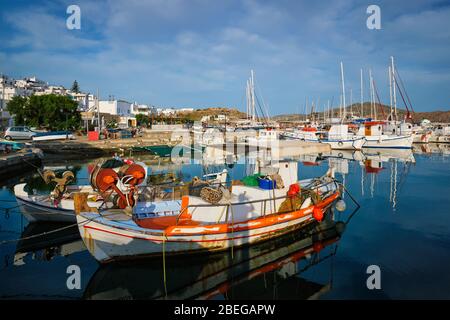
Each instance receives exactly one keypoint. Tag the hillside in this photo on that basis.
(433, 116)
(231, 113)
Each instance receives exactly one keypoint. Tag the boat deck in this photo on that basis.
(157, 223)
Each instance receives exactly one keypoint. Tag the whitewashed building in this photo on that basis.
(143, 109)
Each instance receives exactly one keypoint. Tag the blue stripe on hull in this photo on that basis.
(388, 147)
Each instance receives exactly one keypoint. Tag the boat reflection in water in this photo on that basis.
(60, 239)
(270, 270)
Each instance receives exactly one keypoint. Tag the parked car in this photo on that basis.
(19, 132)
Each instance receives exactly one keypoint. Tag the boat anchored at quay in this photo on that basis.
(338, 137)
(375, 138)
(241, 216)
(114, 188)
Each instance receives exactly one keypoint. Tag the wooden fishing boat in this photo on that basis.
(284, 259)
(338, 137)
(376, 138)
(37, 207)
(58, 206)
(243, 216)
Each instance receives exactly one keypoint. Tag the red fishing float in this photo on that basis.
(294, 189)
(318, 214)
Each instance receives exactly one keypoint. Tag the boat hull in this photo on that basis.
(385, 141)
(37, 212)
(109, 240)
(350, 144)
(38, 208)
(52, 137)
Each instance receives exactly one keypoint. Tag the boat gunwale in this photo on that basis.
(230, 227)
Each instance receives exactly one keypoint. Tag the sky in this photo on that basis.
(199, 53)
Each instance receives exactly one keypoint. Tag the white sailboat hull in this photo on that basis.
(348, 144)
(389, 141)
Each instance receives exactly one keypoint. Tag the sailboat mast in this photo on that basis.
(371, 93)
(362, 95)
(253, 95)
(351, 102)
(393, 87)
(343, 90)
(328, 111)
(98, 112)
(247, 95)
(390, 90)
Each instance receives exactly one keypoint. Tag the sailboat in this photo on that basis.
(377, 133)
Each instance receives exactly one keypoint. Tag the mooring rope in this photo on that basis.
(50, 232)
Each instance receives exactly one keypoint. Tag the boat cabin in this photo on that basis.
(373, 128)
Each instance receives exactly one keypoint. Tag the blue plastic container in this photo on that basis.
(267, 184)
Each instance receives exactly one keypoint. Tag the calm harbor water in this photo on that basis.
(403, 226)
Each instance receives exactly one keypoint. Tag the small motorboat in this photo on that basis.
(53, 135)
(10, 146)
(216, 220)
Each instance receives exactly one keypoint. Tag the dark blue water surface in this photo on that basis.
(403, 227)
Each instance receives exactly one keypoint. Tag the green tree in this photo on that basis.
(50, 111)
(75, 87)
(142, 119)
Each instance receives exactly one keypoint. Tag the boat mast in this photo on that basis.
(390, 90)
(306, 107)
(328, 111)
(98, 112)
(371, 93)
(343, 91)
(393, 87)
(247, 95)
(253, 95)
(362, 95)
(351, 102)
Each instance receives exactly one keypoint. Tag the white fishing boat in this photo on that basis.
(241, 216)
(440, 135)
(264, 138)
(58, 206)
(338, 137)
(223, 275)
(375, 138)
(37, 207)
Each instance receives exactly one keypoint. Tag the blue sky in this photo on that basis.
(198, 53)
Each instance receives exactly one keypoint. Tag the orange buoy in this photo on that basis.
(294, 189)
(318, 214)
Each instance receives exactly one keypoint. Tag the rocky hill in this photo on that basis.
(433, 116)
